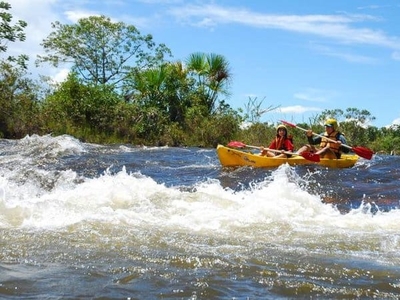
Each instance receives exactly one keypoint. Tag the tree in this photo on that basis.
(11, 33)
(100, 51)
(75, 107)
(18, 102)
(166, 87)
(212, 74)
(330, 113)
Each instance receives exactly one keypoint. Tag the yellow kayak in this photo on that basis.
(230, 157)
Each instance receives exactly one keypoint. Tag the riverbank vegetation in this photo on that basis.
(124, 88)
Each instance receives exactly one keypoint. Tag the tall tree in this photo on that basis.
(212, 74)
(11, 33)
(18, 102)
(100, 51)
(18, 95)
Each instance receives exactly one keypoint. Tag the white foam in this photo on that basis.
(135, 199)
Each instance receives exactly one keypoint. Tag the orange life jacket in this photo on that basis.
(333, 146)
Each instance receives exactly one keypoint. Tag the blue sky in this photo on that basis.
(303, 56)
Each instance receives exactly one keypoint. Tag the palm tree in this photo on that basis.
(212, 74)
(165, 87)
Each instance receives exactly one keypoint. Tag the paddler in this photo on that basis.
(330, 145)
(281, 142)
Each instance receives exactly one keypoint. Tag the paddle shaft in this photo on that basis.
(272, 150)
(321, 136)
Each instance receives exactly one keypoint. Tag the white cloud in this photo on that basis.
(309, 96)
(75, 15)
(336, 27)
(343, 54)
(61, 75)
(315, 95)
(396, 122)
(298, 109)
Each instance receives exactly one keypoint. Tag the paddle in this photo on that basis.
(360, 151)
(307, 155)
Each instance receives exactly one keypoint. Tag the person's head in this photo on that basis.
(281, 130)
(331, 124)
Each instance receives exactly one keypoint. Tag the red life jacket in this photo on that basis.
(282, 143)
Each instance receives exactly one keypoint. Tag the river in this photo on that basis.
(87, 221)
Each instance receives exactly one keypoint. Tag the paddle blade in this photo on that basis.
(363, 152)
(288, 124)
(311, 156)
(236, 144)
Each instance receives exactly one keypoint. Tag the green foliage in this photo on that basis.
(151, 126)
(212, 76)
(100, 51)
(174, 135)
(19, 106)
(258, 134)
(165, 87)
(75, 106)
(387, 144)
(387, 140)
(204, 130)
(11, 33)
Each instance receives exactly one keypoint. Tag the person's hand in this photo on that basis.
(263, 151)
(309, 133)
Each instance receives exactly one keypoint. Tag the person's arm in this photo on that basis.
(314, 140)
(271, 146)
(342, 139)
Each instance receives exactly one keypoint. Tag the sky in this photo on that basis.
(302, 57)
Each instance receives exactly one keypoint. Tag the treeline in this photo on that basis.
(123, 87)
